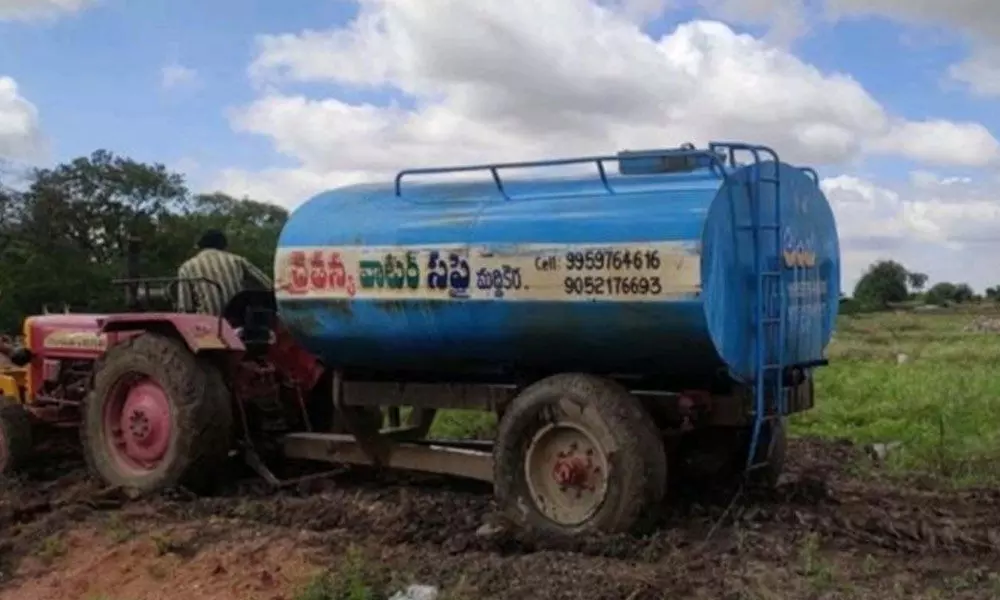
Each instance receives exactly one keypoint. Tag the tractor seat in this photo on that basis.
(251, 313)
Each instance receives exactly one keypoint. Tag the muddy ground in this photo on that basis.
(833, 529)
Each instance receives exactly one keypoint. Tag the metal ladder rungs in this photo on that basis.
(768, 325)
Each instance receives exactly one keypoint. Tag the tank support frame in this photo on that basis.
(442, 458)
(402, 446)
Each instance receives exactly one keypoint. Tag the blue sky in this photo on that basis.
(95, 76)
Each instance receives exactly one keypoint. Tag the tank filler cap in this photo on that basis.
(668, 160)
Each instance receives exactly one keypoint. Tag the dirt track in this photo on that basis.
(826, 533)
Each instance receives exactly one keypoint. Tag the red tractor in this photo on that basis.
(163, 399)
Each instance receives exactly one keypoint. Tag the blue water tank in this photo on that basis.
(650, 272)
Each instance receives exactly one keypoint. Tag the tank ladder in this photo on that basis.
(770, 402)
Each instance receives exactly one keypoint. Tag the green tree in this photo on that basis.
(941, 293)
(63, 237)
(252, 227)
(74, 221)
(964, 293)
(917, 281)
(883, 283)
(946, 292)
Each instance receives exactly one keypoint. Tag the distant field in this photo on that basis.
(940, 407)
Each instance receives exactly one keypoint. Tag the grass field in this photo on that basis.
(941, 404)
(939, 407)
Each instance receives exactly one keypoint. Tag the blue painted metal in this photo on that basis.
(752, 316)
(768, 323)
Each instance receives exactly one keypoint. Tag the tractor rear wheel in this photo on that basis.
(575, 454)
(157, 417)
(15, 436)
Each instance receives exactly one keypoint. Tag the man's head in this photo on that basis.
(213, 239)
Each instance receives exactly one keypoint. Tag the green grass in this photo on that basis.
(351, 581)
(942, 405)
(459, 424)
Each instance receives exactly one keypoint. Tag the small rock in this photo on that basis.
(901, 358)
(417, 592)
(488, 530)
(879, 451)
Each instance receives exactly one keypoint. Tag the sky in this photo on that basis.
(895, 102)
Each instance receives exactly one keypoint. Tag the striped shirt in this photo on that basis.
(232, 272)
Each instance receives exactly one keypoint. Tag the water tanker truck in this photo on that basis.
(652, 312)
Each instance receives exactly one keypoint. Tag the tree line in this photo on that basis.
(887, 283)
(64, 231)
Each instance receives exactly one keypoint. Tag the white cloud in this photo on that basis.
(787, 19)
(20, 132)
(931, 224)
(978, 16)
(942, 142)
(641, 11)
(978, 19)
(277, 185)
(175, 75)
(511, 80)
(24, 10)
(980, 72)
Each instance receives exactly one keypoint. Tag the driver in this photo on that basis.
(232, 272)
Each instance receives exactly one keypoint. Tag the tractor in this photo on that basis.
(163, 399)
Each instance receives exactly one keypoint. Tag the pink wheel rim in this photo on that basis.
(137, 422)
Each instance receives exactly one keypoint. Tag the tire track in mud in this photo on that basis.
(442, 517)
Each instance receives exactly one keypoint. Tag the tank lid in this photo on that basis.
(668, 160)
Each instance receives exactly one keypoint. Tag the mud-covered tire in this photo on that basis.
(200, 415)
(632, 450)
(16, 441)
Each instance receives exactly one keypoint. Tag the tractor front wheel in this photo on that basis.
(157, 417)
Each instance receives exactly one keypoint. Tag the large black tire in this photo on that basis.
(16, 441)
(201, 415)
(632, 449)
